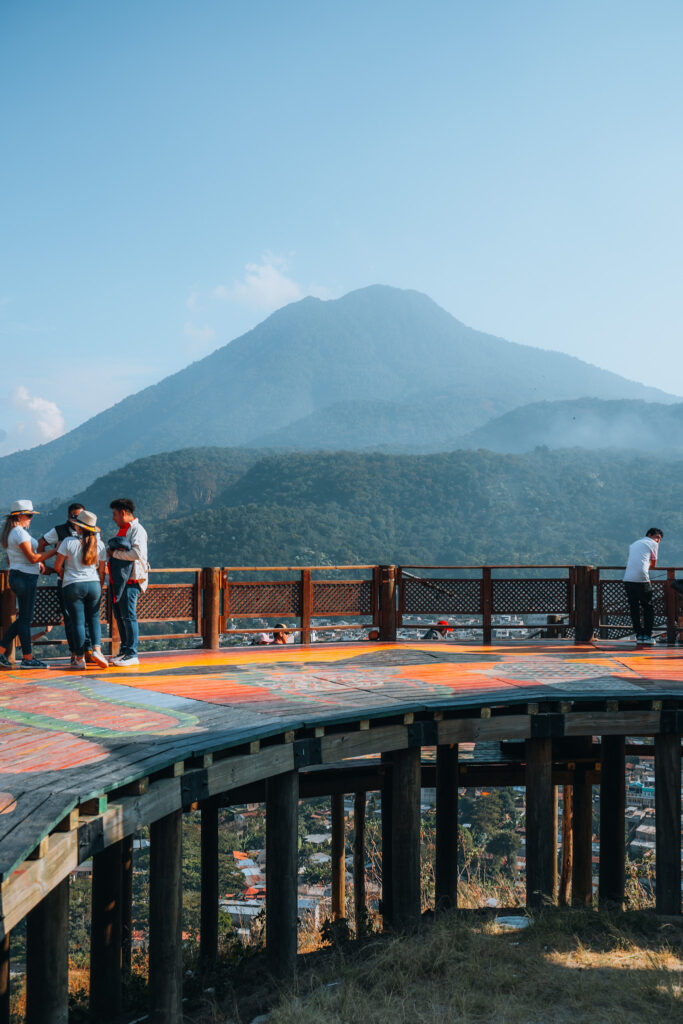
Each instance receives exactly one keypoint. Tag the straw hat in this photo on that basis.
(88, 520)
(23, 507)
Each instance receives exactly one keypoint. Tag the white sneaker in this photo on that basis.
(78, 665)
(98, 658)
(126, 660)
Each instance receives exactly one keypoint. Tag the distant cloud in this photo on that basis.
(266, 286)
(39, 420)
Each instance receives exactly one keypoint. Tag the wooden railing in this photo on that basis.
(576, 600)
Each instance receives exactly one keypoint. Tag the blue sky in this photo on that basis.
(174, 171)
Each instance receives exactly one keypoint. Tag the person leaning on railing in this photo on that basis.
(24, 570)
(642, 556)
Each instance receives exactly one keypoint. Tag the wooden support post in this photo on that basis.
(338, 862)
(47, 958)
(446, 861)
(612, 822)
(126, 905)
(564, 895)
(7, 610)
(668, 822)
(282, 801)
(583, 603)
(387, 602)
(582, 849)
(165, 919)
(670, 602)
(541, 844)
(486, 604)
(387, 842)
(208, 935)
(211, 619)
(359, 863)
(105, 934)
(4, 980)
(306, 605)
(405, 813)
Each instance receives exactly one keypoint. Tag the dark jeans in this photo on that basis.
(126, 612)
(24, 585)
(82, 603)
(640, 598)
(67, 628)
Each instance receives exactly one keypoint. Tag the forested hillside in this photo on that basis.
(212, 507)
(583, 423)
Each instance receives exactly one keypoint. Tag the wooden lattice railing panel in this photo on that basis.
(440, 596)
(262, 600)
(168, 602)
(530, 596)
(342, 597)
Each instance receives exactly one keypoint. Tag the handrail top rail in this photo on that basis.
(292, 568)
(487, 565)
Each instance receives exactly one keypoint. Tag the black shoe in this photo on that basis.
(5, 662)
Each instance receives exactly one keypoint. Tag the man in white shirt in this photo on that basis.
(125, 608)
(642, 556)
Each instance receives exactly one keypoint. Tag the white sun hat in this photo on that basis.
(23, 507)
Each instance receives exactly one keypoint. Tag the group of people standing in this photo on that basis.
(81, 560)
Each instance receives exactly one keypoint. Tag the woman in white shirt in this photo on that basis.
(24, 570)
(81, 563)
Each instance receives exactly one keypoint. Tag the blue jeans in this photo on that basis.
(24, 585)
(67, 627)
(126, 612)
(82, 605)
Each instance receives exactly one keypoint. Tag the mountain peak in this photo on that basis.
(316, 365)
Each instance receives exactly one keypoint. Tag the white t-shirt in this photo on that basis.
(17, 559)
(640, 554)
(52, 537)
(74, 570)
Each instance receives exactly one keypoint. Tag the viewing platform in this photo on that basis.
(86, 758)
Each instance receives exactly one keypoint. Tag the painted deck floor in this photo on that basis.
(65, 736)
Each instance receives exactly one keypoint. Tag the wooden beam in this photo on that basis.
(282, 801)
(541, 844)
(47, 958)
(386, 904)
(446, 862)
(306, 605)
(582, 848)
(4, 979)
(405, 813)
(165, 920)
(211, 619)
(359, 908)
(612, 823)
(668, 823)
(208, 935)
(564, 894)
(338, 863)
(105, 934)
(126, 905)
(387, 602)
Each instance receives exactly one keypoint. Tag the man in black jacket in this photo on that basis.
(55, 536)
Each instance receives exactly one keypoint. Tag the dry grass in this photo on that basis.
(566, 968)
